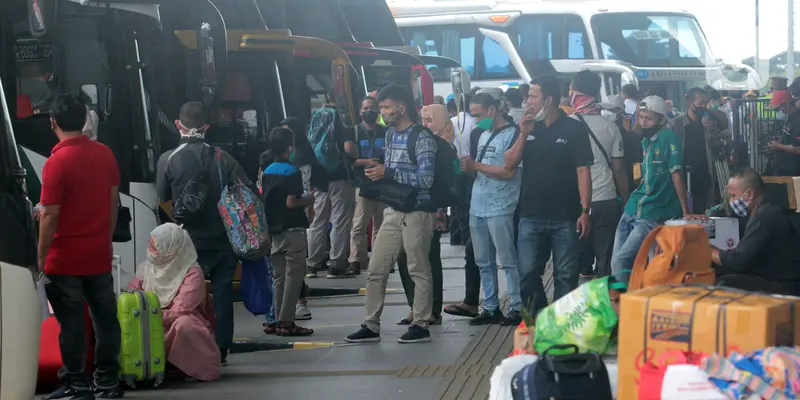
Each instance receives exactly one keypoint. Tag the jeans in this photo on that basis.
(472, 276)
(631, 232)
(537, 239)
(493, 243)
(435, 257)
(66, 295)
(598, 247)
(220, 266)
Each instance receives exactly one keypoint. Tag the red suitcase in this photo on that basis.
(50, 351)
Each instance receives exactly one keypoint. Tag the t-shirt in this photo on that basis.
(461, 141)
(343, 171)
(280, 181)
(371, 144)
(603, 185)
(787, 164)
(656, 199)
(493, 197)
(549, 179)
(79, 176)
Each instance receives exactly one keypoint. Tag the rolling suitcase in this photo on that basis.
(142, 357)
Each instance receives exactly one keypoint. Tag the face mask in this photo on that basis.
(291, 155)
(391, 119)
(715, 107)
(700, 111)
(649, 132)
(484, 124)
(369, 116)
(542, 114)
(739, 207)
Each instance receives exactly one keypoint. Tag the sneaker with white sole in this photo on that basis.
(302, 313)
(363, 335)
(415, 334)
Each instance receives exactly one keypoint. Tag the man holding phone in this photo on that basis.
(787, 145)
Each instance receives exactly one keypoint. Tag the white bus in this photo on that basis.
(508, 42)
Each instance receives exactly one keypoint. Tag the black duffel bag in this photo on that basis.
(561, 377)
(400, 197)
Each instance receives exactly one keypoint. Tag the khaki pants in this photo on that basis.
(366, 210)
(411, 232)
(334, 206)
(288, 271)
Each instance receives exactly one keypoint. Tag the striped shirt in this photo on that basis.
(401, 169)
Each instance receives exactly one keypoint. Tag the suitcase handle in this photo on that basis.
(561, 347)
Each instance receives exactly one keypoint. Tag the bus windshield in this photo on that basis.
(652, 40)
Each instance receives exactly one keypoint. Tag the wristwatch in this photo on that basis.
(586, 211)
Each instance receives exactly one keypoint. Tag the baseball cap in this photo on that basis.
(655, 104)
(613, 102)
(779, 98)
(496, 92)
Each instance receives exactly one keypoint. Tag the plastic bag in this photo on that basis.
(255, 287)
(585, 318)
(653, 374)
(523, 340)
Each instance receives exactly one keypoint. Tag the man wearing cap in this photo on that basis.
(662, 196)
(613, 108)
(787, 145)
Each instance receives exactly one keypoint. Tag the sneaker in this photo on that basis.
(312, 272)
(512, 318)
(487, 317)
(334, 273)
(415, 334)
(302, 313)
(354, 268)
(113, 393)
(364, 335)
(67, 392)
(224, 357)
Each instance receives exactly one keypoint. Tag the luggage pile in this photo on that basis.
(671, 334)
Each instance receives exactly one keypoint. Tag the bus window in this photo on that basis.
(445, 41)
(496, 63)
(545, 37)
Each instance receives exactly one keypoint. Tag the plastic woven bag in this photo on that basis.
(243, 216)
(585, 318)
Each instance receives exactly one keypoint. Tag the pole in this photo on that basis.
(790, 65)
(757, 62)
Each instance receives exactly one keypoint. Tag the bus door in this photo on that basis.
(315, 69)
(382, 67)
(447, 75)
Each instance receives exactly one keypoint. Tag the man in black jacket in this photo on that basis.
(214, 253)
(766, 259)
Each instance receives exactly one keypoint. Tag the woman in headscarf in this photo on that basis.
(435, 118)
(172, 273)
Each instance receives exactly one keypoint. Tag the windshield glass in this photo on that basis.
(652, 40)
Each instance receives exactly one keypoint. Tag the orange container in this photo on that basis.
(699, 319)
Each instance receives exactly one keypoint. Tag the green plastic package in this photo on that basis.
(585, 318)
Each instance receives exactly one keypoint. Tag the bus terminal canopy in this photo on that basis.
(275, 40)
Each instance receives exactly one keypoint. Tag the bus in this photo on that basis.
(508, 42)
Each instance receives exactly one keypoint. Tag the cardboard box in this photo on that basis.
(783, 191)
(723, 233)
(700, 319)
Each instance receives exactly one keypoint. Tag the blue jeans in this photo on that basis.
(631, 232)
(537, 239)
(493, 244)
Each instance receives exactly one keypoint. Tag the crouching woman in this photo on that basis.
(172, 273)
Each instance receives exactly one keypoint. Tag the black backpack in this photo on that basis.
(188, 206)
(568, 376)
(447, 168)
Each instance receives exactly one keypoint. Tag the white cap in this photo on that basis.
(655, 104)
(613, 102)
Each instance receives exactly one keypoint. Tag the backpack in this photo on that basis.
(567, 376)
(322, 137)
(243, 216)
(446, 169)
(682, 256)
(188, 206)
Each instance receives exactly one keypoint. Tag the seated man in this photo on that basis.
(766, 258)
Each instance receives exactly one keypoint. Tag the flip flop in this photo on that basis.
(459, 310)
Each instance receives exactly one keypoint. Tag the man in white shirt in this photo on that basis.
(609, 175)
(463, 123)
(632, 98)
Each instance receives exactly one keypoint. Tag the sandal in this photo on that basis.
(270, 329)
(460, 310)
(407, 320)
(291, 329)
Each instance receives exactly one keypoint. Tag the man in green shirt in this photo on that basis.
(661, 195)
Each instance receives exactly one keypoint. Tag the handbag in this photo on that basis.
(401, 197)
(566, 376)
(122, 231)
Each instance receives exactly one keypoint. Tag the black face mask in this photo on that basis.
(700, 111)
(649, 132)
(369, 116)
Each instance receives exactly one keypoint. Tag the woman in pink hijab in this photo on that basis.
(436, 118)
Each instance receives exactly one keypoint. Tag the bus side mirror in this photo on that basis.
(212, 49)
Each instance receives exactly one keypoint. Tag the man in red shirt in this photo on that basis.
(79, 196)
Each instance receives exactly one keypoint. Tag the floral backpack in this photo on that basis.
(243, 215)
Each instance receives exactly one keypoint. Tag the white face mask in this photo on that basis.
(609, 115)
(542, 114)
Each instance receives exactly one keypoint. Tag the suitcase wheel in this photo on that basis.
(157, 382)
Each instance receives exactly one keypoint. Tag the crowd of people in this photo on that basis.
(546, 171)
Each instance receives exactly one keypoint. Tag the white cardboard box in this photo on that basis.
(723, 233)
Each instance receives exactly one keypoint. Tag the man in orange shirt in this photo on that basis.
(80, 184)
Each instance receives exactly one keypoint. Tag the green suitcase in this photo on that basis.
(142, 357)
